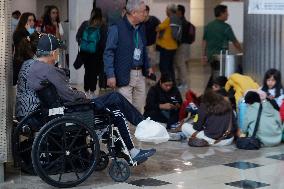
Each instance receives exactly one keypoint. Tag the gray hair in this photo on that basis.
(133, 5)
(172, 8)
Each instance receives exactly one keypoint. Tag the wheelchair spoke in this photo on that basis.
(54, 162)
(52, 152)
(75, 138)
(83, 146)
(57, 144)
(62, 170)
(80, 158)
(73, 168)
(64, 136)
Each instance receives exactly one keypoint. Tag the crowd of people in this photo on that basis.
(126, 53)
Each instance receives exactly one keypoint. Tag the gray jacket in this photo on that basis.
(41, 71)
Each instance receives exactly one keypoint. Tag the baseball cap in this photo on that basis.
(48, 43)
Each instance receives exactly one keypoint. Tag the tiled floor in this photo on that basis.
(176, 165)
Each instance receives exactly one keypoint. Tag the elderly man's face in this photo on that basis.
(140, 13)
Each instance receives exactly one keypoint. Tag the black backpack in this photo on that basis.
(191, 32)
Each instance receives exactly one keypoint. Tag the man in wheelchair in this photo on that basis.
(41, 68)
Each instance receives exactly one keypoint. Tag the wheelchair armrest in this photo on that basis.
(78, 102)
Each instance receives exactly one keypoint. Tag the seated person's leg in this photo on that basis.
(121, 124)
(173, 119)
(187, 129)
(117, 100)
(156, 116)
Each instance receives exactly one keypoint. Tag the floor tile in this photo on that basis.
(148, 182)
(278, 157)
(243, 165)
(247, 184)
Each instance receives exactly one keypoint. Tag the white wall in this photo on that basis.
(78, 13)
(24, 6)
(236, 18)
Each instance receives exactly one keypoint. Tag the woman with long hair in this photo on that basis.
(24, 29)
(215, 118)
(92, 31)
(51, 22)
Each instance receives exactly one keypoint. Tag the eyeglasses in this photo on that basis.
(54, 12)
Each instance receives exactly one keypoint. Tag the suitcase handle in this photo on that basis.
(221, 62)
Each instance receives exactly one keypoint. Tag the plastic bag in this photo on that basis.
(151, 131)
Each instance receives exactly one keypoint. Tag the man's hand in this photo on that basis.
(167, 106)
(111, 82)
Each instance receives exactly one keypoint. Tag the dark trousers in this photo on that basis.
(123, 111)
(164, 116)
(90, 77)
(93, 68)
(167, 61)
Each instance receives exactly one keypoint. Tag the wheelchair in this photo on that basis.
(61, 142)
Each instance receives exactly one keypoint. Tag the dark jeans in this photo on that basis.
(164, 116)
(123, 111)
(93, 69)
(167, 61)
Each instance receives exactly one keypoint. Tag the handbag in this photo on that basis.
(79, 61)
(198, 142)
(251, 143)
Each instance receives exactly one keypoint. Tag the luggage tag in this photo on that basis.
(137, 54)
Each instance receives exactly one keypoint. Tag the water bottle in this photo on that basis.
(242, 107)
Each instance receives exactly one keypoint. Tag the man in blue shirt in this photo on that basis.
(125, 58)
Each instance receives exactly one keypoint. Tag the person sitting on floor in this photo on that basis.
(163, 101)
(41, 68)
(218, 86)
(272, 86)
(215, 117)
(270, 127)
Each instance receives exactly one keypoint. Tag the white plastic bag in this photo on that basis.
(151, 131)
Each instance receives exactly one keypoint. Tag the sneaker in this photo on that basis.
(174, 137)
(144, 154)
(175, 125)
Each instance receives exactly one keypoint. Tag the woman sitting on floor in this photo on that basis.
(215, 118)
(163, 101)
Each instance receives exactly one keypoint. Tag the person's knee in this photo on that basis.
(187, 129)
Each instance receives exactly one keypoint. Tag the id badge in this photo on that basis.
(137, 54)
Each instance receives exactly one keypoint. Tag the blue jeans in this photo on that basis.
(123, 110)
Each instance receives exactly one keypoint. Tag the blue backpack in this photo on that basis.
(90, 38)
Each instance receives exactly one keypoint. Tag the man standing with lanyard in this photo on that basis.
(125, 57)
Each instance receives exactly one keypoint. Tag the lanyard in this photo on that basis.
(136, 39)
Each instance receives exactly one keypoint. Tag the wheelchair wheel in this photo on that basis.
(23, 137)
(103, 161)
(65, 152)
(119, 170)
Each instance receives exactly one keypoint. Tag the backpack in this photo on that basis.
(176, 27)
(191, 32)
(90, 38)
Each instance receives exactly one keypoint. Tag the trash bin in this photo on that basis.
(229, 63)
